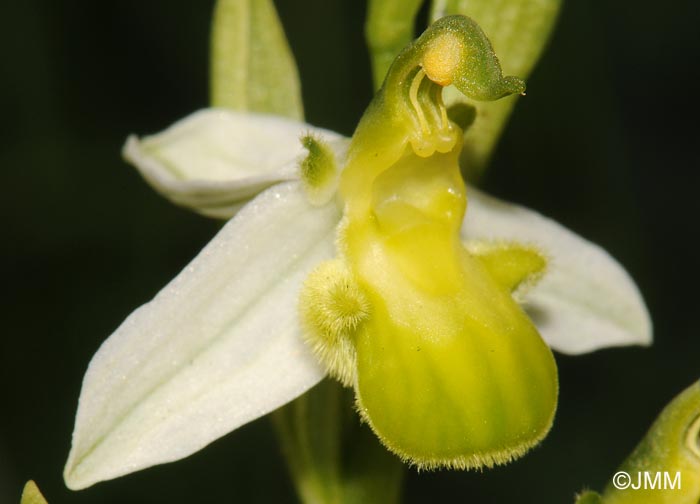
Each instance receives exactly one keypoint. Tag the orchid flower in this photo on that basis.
(354, 258)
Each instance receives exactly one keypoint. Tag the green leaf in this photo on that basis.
(333, 458)
(252, 66)
(518, 31)
(389, 28)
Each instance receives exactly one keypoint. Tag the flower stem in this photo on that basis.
(332, 457)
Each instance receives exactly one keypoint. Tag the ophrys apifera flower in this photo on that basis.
(363, 251)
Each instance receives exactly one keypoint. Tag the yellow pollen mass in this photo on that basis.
(442, 59)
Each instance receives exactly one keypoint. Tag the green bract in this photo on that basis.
(447, 368)
(252, 67)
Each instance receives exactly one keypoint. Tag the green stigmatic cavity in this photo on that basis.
(447, 368)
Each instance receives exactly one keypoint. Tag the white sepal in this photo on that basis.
(216, 160)
(585, 300)
(219, 346)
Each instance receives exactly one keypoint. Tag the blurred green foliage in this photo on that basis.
(605, 142)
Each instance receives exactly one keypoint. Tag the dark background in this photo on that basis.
(606, 142)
